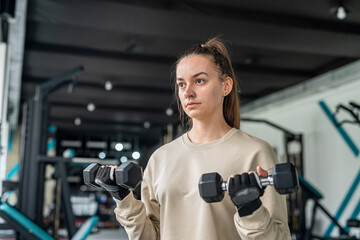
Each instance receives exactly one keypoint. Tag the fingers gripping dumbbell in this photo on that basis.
(127, 175)
(284, 179)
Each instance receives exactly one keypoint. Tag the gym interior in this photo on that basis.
(84, 83)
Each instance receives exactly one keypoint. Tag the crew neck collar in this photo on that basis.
(204, 146)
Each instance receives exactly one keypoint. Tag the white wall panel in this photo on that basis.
(329, 163)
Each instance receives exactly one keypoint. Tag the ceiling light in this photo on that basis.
(91, 107)
(108, 86)
(341, 12)
(102, 155)
(70, 88)
(119, 147)
(69, 153)
(169, 112)
(147, 124)
(249, 60)
(123, 159)
(136, 155)
(77, 121)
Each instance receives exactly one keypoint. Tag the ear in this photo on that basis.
(227, 85)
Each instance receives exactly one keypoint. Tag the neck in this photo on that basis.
(207, 131)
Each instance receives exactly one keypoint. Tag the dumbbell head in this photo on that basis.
(89, 174)
(285, 178)
(128, 175)
(210, 187)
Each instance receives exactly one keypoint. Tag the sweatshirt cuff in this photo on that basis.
(258, 218)
(128, 205)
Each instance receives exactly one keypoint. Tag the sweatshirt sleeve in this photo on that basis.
(141, 219)
(270, 221)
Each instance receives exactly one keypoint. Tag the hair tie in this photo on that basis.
(204, 45)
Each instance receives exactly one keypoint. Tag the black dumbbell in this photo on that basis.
(284, 179)
(127, 175)
(89, 174)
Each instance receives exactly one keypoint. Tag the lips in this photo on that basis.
(192, 104)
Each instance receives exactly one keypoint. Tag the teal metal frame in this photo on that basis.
(26, 226)
(355, 150)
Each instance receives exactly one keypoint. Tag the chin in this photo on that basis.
(194, 115)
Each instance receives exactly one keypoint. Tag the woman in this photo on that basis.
(171, 207)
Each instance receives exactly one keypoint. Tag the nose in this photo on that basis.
(189, 92)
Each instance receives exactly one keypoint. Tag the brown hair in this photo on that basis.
(220, 56)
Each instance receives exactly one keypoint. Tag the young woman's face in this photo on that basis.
(201, 91)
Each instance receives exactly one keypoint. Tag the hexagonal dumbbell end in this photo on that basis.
(129, 175)
(89, 174)
(210, 187)
(285, 178)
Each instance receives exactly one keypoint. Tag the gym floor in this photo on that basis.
(109, 234)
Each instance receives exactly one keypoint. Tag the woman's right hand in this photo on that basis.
(105, 177)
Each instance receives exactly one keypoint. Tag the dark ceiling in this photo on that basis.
(133, 44)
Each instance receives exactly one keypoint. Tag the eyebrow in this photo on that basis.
(193, 76)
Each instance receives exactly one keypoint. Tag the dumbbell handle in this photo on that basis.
(269, 180)
(263, 181)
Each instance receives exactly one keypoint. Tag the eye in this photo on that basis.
(200, 81)
(181, 85)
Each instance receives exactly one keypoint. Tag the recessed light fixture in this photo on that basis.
(102, 155)
(169, 112)
(119, 147)
(341, 12)
(123, 159)
(249, 60)
(147, 124)
(108, 86)
(91, 107)
(77, 121)
(136, 155)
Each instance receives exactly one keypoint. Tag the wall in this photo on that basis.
(329, 164)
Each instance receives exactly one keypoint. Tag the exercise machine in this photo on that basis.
(28, 214)
(353, 109)
(309, 192)
(30, 230)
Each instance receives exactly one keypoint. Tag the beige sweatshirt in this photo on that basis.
(171, 207)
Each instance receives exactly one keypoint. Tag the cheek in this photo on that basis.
(181, 97)
(214, 95)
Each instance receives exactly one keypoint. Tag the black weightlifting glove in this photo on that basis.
(245, 191)
(105, 177)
